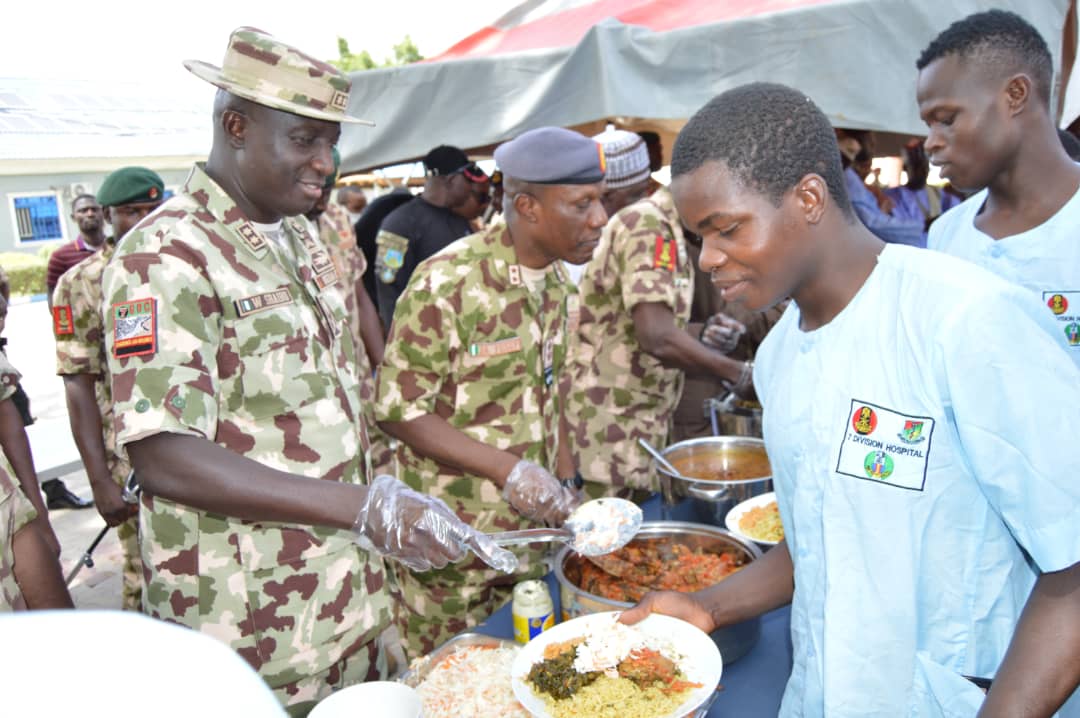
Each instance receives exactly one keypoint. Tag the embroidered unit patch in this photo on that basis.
(134, 328)
(62, 324)
(666, 254)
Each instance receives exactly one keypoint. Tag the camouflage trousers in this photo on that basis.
(132, 575)
(369, 661)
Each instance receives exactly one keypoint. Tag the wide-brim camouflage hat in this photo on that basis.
(261, 68)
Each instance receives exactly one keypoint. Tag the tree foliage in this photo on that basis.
(405, 52)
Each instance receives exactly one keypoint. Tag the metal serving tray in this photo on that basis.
(418, 670)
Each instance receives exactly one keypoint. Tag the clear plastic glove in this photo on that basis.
(421, 531)
(722, 333)
(535, 494)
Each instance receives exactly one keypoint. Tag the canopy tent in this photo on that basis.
(649, 64)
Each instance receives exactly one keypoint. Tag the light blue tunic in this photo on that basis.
(1045, 259)
(918, 441)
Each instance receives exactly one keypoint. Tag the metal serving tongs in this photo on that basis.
(594, 528)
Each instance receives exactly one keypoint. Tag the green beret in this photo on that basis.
(131, 185)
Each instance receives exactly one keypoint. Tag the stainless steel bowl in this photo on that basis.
(733, 641)
(702, 460)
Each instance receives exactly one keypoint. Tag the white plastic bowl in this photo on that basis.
(375, 699)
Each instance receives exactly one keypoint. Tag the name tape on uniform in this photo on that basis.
(494, 349)
(261, 302)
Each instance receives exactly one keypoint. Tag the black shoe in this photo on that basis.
(59, 496)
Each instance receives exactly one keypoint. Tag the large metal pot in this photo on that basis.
(718, 473)
(731, 417)
(733, 641)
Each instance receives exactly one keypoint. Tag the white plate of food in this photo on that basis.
(756, 519)
(598, 668)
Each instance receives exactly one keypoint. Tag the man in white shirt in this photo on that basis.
(984, 93)
(930, 535)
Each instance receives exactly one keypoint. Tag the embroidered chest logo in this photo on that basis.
(1058, 304)
(878, 465)
(872, 455)
(1064, 304)
(666, 254)
(865, 421)
(912, 432)
(134, 328)
(62, 324)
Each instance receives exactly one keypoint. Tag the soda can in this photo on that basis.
(532, 610)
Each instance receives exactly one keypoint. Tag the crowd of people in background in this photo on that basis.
(288, 377)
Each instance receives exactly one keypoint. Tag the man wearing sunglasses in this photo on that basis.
(423, 226)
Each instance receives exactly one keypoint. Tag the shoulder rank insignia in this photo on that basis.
(62, 324)
(666, 254)
(251, 237)
(134, 328)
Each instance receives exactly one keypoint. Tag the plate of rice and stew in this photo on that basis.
(757, 519)
(595, 667)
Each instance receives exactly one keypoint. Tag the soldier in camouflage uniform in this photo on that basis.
(29, 570)
(14, 443)
(336, 232)
(470, 380)
(633, 343)
(237, 402)
(127, 195)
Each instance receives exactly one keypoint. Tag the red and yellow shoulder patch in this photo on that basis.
(61, 321)
(666, 255)
(134, 328)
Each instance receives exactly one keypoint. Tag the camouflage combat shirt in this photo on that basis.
(211, 331)
(80, 341)
(16, 511)
(337, 234)
(619, 392)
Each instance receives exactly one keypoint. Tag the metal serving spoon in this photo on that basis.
(594, 528)
(660, 459)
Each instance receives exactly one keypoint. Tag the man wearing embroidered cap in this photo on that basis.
(127, 196)
(634, 342)
(237, 402)
(470, 380)
(426, 224)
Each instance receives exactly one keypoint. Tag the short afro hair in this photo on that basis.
(1002, 42)
(768, 136)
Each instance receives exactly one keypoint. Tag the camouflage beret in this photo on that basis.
(131, 185)
(552, 155)
(265, 70)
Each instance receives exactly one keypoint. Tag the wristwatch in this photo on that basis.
(574, 482)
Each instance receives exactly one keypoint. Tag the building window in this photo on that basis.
(37, 218)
